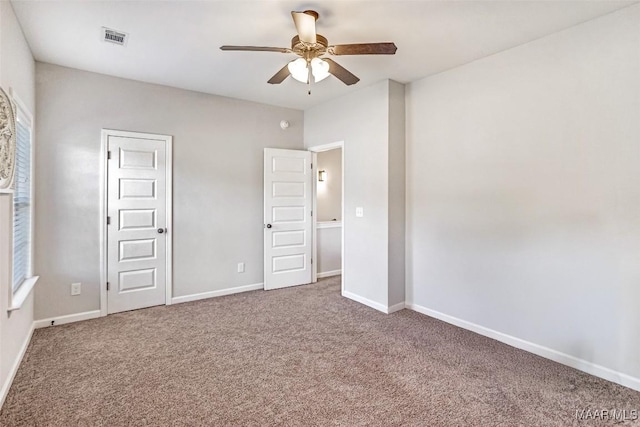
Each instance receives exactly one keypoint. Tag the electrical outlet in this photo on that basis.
(241, 267)
(359, 212)
(76, 288)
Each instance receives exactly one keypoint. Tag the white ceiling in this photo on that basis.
(176, 43)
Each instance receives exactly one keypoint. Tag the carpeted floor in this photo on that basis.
(298, 356)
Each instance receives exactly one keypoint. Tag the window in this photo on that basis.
(22, 201)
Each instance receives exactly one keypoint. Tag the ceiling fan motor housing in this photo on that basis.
(303, 49)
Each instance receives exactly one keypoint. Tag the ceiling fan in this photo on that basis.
(311, 47)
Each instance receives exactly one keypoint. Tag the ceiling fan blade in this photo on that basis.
(341, 73)
(280, 75)
(305, 25)
(364, 49)
(257, 49)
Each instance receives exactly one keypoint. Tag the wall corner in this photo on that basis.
(396, 195)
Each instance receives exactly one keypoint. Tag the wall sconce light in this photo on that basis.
(322, 175)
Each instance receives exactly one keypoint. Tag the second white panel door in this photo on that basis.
(287, 217)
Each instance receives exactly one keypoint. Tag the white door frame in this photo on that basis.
(314, 224)
(103, 209)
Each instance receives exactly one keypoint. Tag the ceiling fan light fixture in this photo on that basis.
(298, 70)
(311, 47)
(319, 69)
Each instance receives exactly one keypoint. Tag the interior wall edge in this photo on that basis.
(6, 386)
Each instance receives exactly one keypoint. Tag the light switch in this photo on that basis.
(359, 212)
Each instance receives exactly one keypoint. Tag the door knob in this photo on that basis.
(268, 225)
(161, 230)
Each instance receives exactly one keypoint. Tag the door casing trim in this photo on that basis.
(104, 205)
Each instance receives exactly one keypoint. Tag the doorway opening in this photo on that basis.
(303, 213)
(328, 246)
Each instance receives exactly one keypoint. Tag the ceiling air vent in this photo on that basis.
(113, 36)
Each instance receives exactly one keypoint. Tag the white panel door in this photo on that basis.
(287, 218)
(137, 228)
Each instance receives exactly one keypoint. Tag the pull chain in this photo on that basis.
(309, 77)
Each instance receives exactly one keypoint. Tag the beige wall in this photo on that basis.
(330, 191)
(217, 180)
(523, 195)
(17, 70)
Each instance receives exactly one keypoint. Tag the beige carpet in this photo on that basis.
(299, 356)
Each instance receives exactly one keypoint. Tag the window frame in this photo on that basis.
(18, 295)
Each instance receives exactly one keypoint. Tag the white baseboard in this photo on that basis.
(16, 364)
(380, 307)
(546, 352)
(218, 293)
(329, 274)
(69, 318)
(396, 307)
(365, 301)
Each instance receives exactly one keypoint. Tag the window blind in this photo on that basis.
(22, 206)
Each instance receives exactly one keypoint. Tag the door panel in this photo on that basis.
(289, 263)
(137, 219)
(288, 238)
(288, 189)
(287, 216)
(131, 159)
(137, 279)
(137, 188)
(136, 250)
(136, 206)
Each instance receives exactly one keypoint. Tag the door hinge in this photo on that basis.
(311, 260)
(109, 155)
(312, 166)
(311, 212)
(107, 285)
(108, 220)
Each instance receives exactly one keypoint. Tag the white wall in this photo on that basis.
(362, 120)
(17, 70)
(523, 195)
(218, 198)
(329, 244)
(330, 191)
